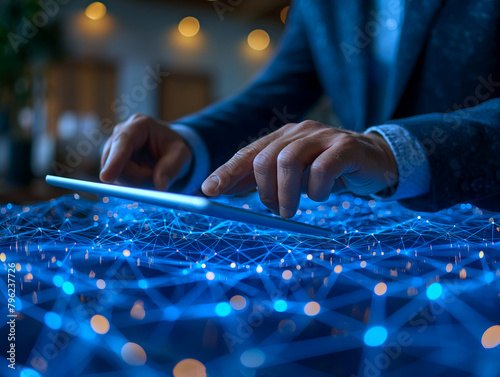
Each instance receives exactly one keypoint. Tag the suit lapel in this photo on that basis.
(419, 16)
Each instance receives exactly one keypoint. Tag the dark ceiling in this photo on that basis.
(250, 9)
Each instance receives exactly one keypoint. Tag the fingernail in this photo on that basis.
(210, 184)
(286, 214)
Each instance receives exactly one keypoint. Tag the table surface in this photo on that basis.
(116, 288)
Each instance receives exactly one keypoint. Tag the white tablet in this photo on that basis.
(188, 203)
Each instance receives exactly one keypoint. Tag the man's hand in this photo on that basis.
(339, 161)
(165, 150)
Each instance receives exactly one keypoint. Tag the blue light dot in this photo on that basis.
(280, 306)
(171, 313)
(142, 283)
(28, 372)
(488, 277)
(375, 336)
(59, 263)
(53, 320)
(434, 291)
(68, 288)
(184, 272)
(58, 280)
(222, 309)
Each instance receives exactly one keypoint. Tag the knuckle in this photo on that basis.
(138, 117)
(320, 169)
(348, 141)
(287, 159)
(262, 162)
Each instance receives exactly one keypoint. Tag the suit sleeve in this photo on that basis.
(282, 93)
(463, 151)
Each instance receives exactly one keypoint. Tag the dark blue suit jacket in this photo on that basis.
(448, 82)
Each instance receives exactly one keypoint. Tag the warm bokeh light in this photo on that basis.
(190, 368)
(449, 267)
(99, 324)
(284, 13)
(133, 354)
(238, 302)
(3, 258)
(126, 253)
(138, 311)
(96, 11)
(338, 269)
(210, 275)
(287, 274)
(101, 284)
(189, 26)
(362, 264)
(481, 254)
(380, 289)
(258, 40)
(312, 308)
(491, 337)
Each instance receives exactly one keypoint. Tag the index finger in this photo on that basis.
(236, 169)
(120, 152)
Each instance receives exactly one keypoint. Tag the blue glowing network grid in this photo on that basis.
(116, 288)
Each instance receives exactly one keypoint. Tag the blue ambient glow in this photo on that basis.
(223, 309)
(434, 291)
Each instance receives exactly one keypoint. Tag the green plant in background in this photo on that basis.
(29, 38)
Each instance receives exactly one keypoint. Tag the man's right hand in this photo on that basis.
(140, 134)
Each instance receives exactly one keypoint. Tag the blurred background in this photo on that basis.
(71, 69)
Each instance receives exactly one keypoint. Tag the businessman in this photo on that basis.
(415, 85)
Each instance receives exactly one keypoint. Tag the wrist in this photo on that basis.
(389, 163)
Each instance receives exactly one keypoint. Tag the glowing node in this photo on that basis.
(58, 280)
(142, 283)
(380, 289)
(18, 267)
(434, 291)
(312, 308)
(138, 311)
(238, 302)
(99, 324)
(3, 258)
(338, 269)
(96, 11)
(233, 265)
(222, 309)
(210, 275)
(259, 269)
(489, 277)
(449, 267)
(133, 354)
(309, 257)
(101, 284)
(126, 253)
(28, 372)
(280, 305)
(258, 40)
(362, 264)
(287, 275)
(68, 288)
(481, 254)
(189, 27)
(253, 358)
(375, 336)
(171, 313)
(491, 337)
(53, 320)
(189, 368)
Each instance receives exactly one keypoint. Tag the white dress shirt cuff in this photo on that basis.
(413, 166)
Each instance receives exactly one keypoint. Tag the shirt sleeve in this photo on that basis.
(191, 178)
(413, 165)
